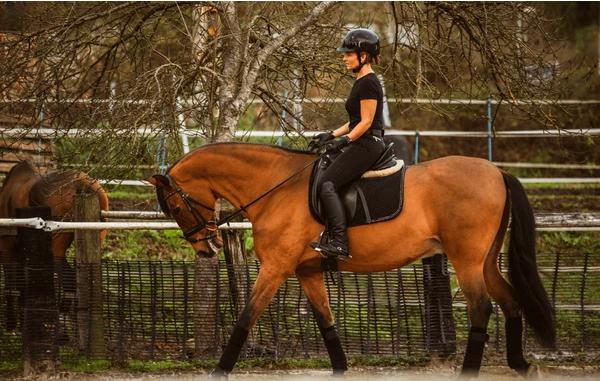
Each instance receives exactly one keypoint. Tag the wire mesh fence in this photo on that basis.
(152, 310)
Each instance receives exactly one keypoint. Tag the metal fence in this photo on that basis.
(150, 310)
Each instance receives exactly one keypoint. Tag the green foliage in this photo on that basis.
(248, 242)
(147, 245)
(568, 242)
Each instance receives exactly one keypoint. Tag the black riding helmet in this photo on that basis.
(360, 40)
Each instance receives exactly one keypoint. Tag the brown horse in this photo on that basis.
(454, 205)
(25, 187)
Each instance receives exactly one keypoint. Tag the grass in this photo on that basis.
(561, 185)
(130, 195)
(148, 366)
(86, 365)
(10, 366)
(147, 245)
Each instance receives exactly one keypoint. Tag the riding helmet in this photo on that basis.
(360, 40)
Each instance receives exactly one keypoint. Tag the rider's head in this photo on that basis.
(360, 47)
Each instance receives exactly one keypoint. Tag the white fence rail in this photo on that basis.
(524, 180)
(576, 222)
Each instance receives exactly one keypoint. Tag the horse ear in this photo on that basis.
(158, 180)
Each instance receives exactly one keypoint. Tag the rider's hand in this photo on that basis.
(337, 143)
(323, 137)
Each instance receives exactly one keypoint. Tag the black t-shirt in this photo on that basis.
(367, 87)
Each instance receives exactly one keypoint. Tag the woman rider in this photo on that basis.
(361, 137)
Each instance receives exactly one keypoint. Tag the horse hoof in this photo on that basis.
(533, 373)
(339, 373)
(467, 374)
(218, 374)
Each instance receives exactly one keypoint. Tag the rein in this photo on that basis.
(212, 225)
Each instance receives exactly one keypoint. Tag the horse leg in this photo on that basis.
(266, 285)
(504, 294)
(314, 288)
(479, 309)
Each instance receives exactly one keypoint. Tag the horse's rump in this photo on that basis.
(24, 187)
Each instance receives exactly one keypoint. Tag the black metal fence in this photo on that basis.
(150, 310)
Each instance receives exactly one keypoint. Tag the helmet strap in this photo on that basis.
(360, 64)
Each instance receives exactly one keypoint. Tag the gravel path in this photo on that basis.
(442, 373)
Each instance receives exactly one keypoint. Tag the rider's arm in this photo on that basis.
(342, 130)
(367, 114)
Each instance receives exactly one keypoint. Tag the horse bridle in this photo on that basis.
(201, 222)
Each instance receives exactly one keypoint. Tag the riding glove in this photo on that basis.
(337, 143)
(323, 137)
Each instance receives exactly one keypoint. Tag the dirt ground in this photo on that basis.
(494, 373)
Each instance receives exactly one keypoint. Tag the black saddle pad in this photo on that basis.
(366, 201)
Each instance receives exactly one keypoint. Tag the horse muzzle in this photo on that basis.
(212, 247)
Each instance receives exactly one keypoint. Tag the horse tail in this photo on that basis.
(522, 265)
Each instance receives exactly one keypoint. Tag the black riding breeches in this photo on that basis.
(356, 159)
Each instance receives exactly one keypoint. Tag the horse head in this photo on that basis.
(195, 214)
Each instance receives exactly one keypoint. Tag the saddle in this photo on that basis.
(377, 196)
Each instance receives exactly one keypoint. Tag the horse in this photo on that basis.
(455, 205)
(25, 187)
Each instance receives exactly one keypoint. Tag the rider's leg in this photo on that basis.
(346, 168)
(337, 245)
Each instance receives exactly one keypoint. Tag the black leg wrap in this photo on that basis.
(233, 349)
(474, 354)
(514, 345)
(334, 349)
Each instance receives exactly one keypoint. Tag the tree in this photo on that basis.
(122, 67)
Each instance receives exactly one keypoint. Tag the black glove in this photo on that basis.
(337, 143)
(320, 139)
(323, 137)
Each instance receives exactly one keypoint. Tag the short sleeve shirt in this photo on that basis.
(367, 87)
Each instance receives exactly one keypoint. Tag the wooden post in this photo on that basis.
(89, 277)
(40, 315)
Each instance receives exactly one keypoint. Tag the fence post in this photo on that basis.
(40, 315)
(89, 277)
(417, 146)
(490, 136)
(440, 331)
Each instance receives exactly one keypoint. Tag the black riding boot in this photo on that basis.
(337, 244)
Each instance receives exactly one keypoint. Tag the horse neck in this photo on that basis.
(241, 173)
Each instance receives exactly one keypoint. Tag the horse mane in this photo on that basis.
(265, 146)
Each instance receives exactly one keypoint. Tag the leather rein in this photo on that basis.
(213, 225)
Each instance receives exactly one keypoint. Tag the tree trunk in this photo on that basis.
(206, 307)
